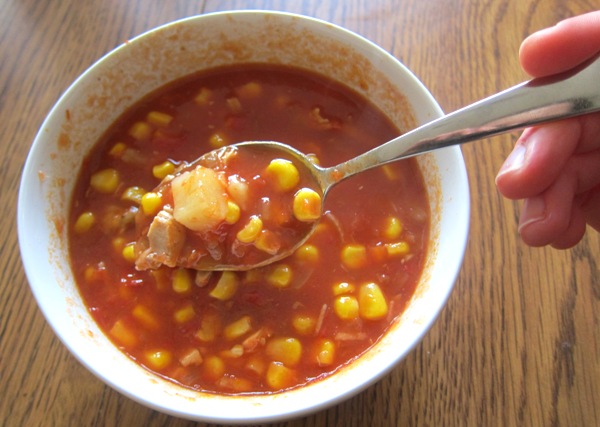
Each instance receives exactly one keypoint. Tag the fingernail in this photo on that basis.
(533, 211)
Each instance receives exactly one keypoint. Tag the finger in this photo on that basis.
(591, 208)
(537, 159)
(546, 217)
(562, 47)
(574, 232)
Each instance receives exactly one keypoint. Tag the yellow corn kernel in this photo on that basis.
(390, 172)
(371, 301)
(140, 131)
(217, 140)
(234, 104)
(118, 149)
(181, 282)
(280, 276)
(397, 249)
(267, 241)
(210, 328)
(249, 90)
(226, 286)
(128, 253)
(313, 159)
(256, 364)
(307, 205)
(393, 228)
(284, 174)
(325, 352)
(233, 213)
(158, 118)
(84, 222)
(238, 328)
(143, 315)
(159, 359)
(184, 314)
(213, 368)
(133, 194)
(105, 181)
(304, 324)
(280, 377)
(203, 96)
(123, 334)
(251, 230)
(151, 203)
(354, 256)
(343, 288)
(286, 350)
(162, 170)
(307, 253)
(346, 307)
(235, 383)
(253, 275)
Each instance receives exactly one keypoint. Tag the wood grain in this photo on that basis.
(518, 342)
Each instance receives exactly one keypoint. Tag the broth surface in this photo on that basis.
(267, 329)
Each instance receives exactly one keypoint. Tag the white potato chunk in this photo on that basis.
(199, 199)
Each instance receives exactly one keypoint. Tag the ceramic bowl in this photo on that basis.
(180, 48)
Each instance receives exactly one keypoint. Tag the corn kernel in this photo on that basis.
(159, 359)
(372, 302)
(133, 194)
(184, 314)
(251, 230)
(234, 104)
(307, 205)
(151, 203)
(226, 286)
(397, 249)
(286, 350)
(303, 324)
(250, 90)
(123, 334)
(105, 181)
(253, 275)
(210, 328)
(238, 328)
(143, 315)
(158, 118)
(128, 253)
(235, 383)
(191, 358)
(280, 276)
(346, 307)
(217, 140)
(213, 368)
(162, 170)
(256, 364)
(325, 353)
(233, 213)
(140, 131)
(279, 377)
(84, 222)
(268, 242)
(307, 253)
(284, 174)
(390, 172)
(181, 282)
(393, 228)
(118, 149)
(313, 159)
(354, 256)
(343, 288)
(203, 97)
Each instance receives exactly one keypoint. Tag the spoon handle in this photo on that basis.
(573, 93)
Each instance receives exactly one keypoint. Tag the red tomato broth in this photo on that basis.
(357, 209)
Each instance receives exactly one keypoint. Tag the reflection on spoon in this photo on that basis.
(253, 203)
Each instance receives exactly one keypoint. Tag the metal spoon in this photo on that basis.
(541, 100)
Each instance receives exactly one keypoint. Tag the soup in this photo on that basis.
(267, 329)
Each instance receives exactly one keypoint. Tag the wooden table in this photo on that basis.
(517, 344)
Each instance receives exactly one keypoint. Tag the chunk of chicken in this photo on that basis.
(166, 238)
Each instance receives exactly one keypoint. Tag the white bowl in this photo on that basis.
(177, 49)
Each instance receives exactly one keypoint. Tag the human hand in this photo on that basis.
(555, 168)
